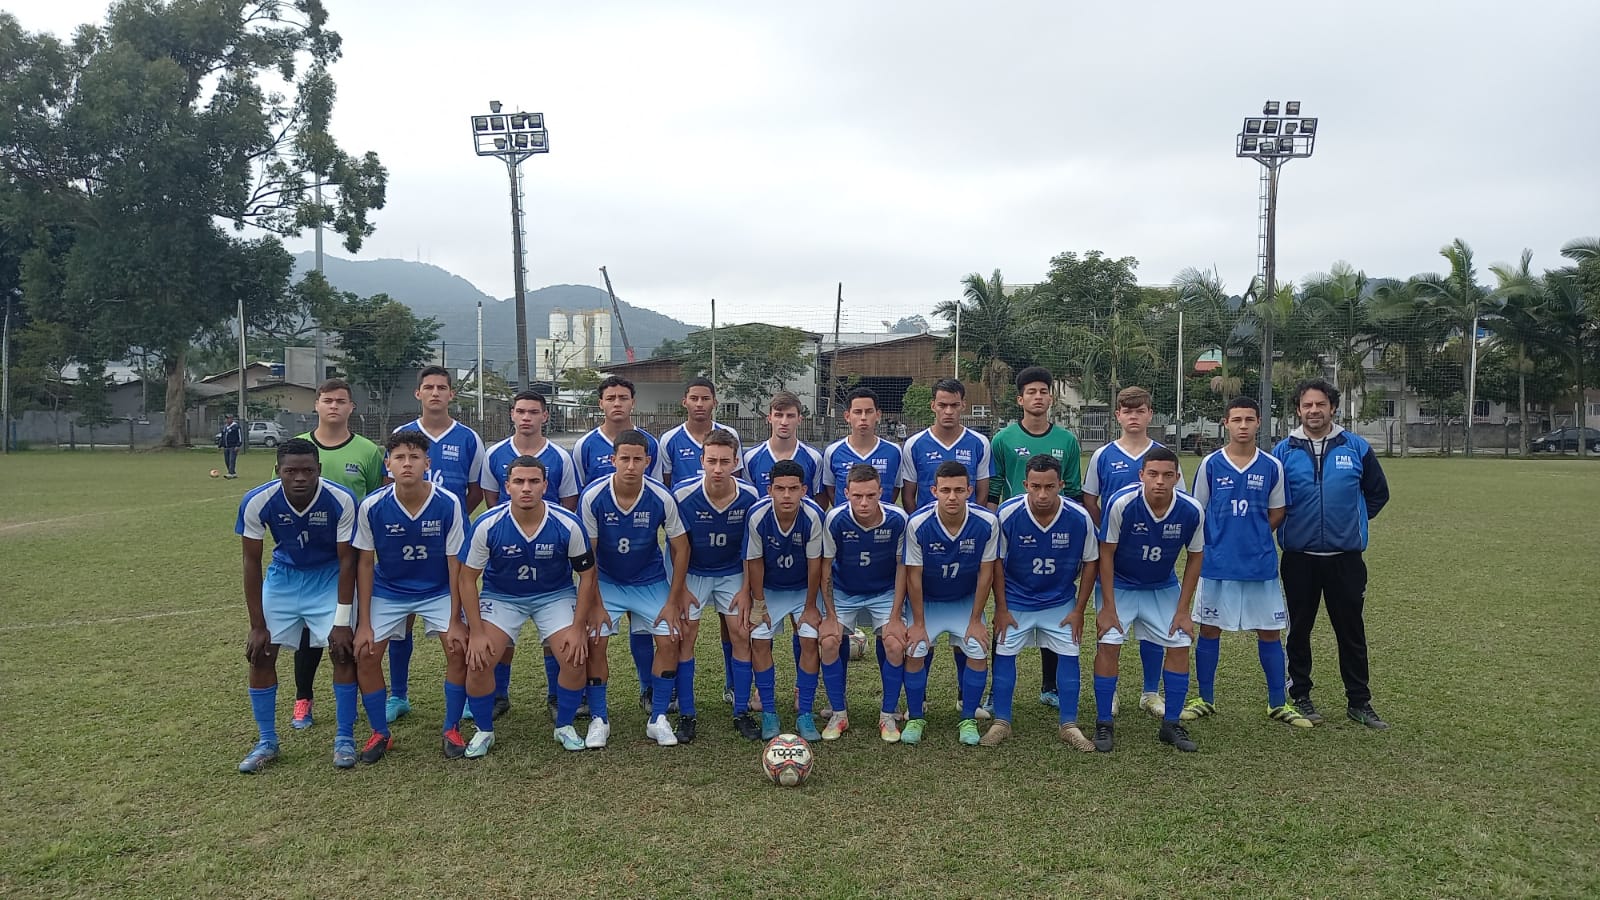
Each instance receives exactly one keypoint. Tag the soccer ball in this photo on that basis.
(858, 644)
(215, 473)
(787, 760)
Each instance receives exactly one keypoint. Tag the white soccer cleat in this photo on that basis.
(1150, 702)
(660, 731)
(599, 734)
(479, 746)
(567, 737)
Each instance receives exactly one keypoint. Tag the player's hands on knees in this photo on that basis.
(1074, 621)
(258, 646)
(479, 652)
(361, 643)
(341, 645)
(1003, 621)
(1183, 622)
(1106, 621)
(457, 637)
(739, 611)
(812, 616)
(916, 635)
(570, 647)
(977, 632)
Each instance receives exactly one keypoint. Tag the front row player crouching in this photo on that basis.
(1143, 528)
(309, 587)
(783, 572)
(527, 551)
(951, 547)
(1046, 544)
(863, 543)
(408, 534)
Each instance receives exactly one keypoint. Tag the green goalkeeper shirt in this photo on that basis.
(357, 463)
(1014, 446)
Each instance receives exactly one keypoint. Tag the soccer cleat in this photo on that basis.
(747, 727)
(1288, 715)
(770, 726)
(1050, 699)
(397, 708)
(1103, 737)
(660, 731)
(912, 732)
(466, 713)
(1366, 715)
(261, 754)
(599, 734)
(549, 705)
(1073, 736)
(583, 709)
(997, 733)
(969, 732)
(1175, 734)
(980, 713)
(987, 706)
(645, 702)
(685, 732)
(1150, 702)
(727, 695)
(502, 705)
(344, 753)
(567, 737)
(377, 746)
(481, 742)
(1199, 708)
(1115, 705)
(454, 746)
(672, 705)
(805, 725)
(302, 715)
(838, 724)
(888, 728)
(1307, 709)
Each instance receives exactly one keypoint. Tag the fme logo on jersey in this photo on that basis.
(432, 526)
(882, 535)
(544, 551)
(1172, 530)
(968, 545)
(1058, 540)
(1343, 462)
(450, 452)
(320, 517)
(641, 520)
(1256, 482)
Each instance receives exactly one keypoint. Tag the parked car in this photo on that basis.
(259, 434)
(1565, 440)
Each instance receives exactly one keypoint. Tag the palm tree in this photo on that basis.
(1458, 300)
(1221, 322)
(1407, 331)
(1340, 296)
(990, 332)
(1575, 302)
(1519, 325)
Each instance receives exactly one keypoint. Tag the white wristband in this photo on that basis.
(344, 615)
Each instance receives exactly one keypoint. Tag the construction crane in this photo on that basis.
(616, 310)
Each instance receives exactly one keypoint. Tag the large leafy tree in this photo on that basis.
(1339, 299)
(143, 133)
(381, 341)
(993, 336)
(1459, 302)
(753, 361)
(1520, 329)
(1406, 333)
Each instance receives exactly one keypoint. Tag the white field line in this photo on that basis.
(108, 512)
(114, 620)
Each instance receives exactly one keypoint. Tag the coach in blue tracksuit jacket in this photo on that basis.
(1335, 486)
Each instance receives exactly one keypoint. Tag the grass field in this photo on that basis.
(124, 716)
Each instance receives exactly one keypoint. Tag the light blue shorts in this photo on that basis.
(1039, 628)
(642, 602)
(715, 591)
(951, 619)
(1241, 605)
(852, 608)
(389, 616)
(1152, 611)
(780, 606)
(550, 613)
(295, 600)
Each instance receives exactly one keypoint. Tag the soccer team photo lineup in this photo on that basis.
(871, 552)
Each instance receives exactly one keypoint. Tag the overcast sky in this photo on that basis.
(759, 153)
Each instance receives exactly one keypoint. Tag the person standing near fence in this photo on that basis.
(232, 440)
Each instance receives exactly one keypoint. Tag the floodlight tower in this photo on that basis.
(1272, 140)
(513, 138)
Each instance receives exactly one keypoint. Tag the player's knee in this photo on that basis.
(1213, 632)
(1269, 635)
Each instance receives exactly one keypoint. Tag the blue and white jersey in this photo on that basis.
(302, 538)
(922, 454)
(679, 459)
(455, 460)
(1041, 560)
(785, 553)
(626, 550)
(839, 458)
(1112, 468)
(413, 551)
(758, 463)
(1239, 543)
(951, 560)
(865, 560)
(716, 535)
(591, 456)
(560, 479)
(517, 564)
(1147, 546)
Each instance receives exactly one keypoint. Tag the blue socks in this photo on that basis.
(740, 669)
(1206, 652)
(264, 707)
(1271, 653)
(686, 687)
(643, 649)
(1005, 686)
(1152, 657)
(1105, 690)
(727, 664)
(973, 681)
(597, 700)
(806, 683)
(400, 665)
(917, 693)
(552, 671)
(1068, 683)
(1177, 685)
(567, 705)
(833, 678)
(961, 670)
(767, 687)
(661, 693)
(377, 715)
(502, 679)
(482, 711)
(345, 699)
(455, 700)
(894, 678)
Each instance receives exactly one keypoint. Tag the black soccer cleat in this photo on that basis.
(747, 726)
(502, 705)
(685, 730)
(1308, 709)
(1175, 734)
(1102, 737)
(1367, 716)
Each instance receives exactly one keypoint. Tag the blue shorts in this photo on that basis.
(642, 602)
(851, 608)
(550, 613)
(1153, 610)
(951, 619)
(715, 591)
(780, 606)
(389, 616)
(1241, 605)
(1039, 628)
(293, 600)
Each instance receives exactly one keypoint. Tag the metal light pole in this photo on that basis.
(513, 138)
(480, 364)
(1272, 140)
(322, 370)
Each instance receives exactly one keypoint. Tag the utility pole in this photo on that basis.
(513, 138)
(321, 368)
(244, 446)
(480, 365)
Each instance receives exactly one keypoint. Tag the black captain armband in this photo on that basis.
(583, 563)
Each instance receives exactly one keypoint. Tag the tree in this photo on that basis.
(1340, 297)
(1407, 333)
(993, 338)
(916, 407)
(1458, 301)
(910, 325)
(754, 361)
(1574, 295)
(381, 341)
(1518, 328)
(1217, 321)
(143, 133)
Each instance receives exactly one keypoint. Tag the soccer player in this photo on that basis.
(622, 513)
(1012, 448)
(409, 534)
(455, 463)
(309, 585)
(715, 509)
(1047, 545)
(527, 552)
(1242, 491)
(232, 440)
(1145, 526)
(861, 445)
(958, 542)
(783, 417)
(350, 460)
(783, 574)
(863, 576)
(1112, 468)
(681, 446)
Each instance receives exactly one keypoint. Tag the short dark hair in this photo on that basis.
(950, 386)
(530, 395)
(1042, 462)
(615, 381)
(721, 438)
(335, 384)
(635, 437)
(951, 469)
(431, 371)
(1317, 384)
(787, 468)
(408, 438)
(527, 461)
(784, 400)
(1133, 398)
(1158, 453)
(863, 472)
(862, 393)
(1034, 375)
(298, 447)
(700, 381)
(1242, 402)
